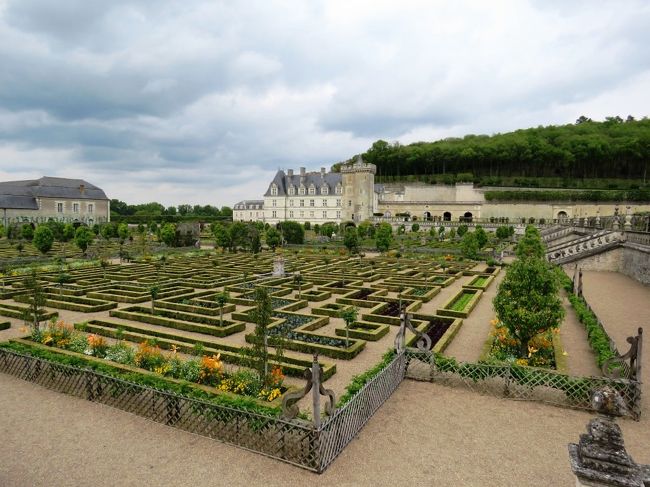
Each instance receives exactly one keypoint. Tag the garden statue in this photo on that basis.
(617, 222)
(627, 226)
(278, 266)
(600, 458)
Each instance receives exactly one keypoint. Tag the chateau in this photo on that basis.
(47, 198)
(352, 195)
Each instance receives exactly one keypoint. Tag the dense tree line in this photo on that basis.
(614, 148)
(156, 209)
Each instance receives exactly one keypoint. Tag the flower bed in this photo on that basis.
(462, 304)
(206, 370)
(313, 295)
(424, 294)
(544, 350)
(229, 353)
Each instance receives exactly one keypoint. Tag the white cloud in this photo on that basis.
(200, 101)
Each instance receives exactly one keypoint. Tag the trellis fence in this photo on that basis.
(293, 441)
(516, 382)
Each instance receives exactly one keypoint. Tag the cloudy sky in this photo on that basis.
(200, 102)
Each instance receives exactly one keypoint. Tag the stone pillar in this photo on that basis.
(628, 219)
(616, 225)
(600, 458)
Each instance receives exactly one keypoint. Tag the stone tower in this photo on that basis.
(358, 191)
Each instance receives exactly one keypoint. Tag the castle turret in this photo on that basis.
(358, 190)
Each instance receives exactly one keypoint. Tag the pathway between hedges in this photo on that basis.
(623, 305)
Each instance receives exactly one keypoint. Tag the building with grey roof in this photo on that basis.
(315, 197)
(48, 198)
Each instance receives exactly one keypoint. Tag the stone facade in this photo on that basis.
(58, 199)
(352, 195)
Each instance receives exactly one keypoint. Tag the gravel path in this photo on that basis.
(424, 434)
(623, 305)
(581, 360)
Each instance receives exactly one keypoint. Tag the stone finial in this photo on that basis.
(600, 458)
(627, 226)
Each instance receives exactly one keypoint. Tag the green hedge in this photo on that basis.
(364, 331)
(5, 325)
(640, 195)
(358, 381)
(229, 327)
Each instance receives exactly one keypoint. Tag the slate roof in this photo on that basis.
(249, 205)
(23, 194)
(317, 178)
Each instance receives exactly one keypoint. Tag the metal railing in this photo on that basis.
(518, 382)
(295, 441)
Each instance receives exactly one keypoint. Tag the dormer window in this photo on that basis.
(274, 190)
(301, 191)
(324, 189)
(292, 190)
(339, 189)
(312, 189)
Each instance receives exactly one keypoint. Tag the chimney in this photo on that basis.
(82, 189)
(302, 171)
(322, 172)
(290, 172)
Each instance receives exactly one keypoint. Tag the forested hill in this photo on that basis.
(587, 149)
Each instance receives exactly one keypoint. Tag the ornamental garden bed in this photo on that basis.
(424, 294)
(313, 295)
(205, 374)
(168, 340)
(179, 320)
(333, 310)
(71, 303)
(461, 304)
(481, 282)
(364, 330)
(440, 329)
(388, 312)
(19, 312)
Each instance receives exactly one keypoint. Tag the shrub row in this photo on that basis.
(142, 316)
(364, 330)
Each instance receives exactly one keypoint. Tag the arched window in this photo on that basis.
(427, 216)
(446, 216)
(467, 217)
(562, 215)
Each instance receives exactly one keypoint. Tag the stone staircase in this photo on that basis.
(582, 246)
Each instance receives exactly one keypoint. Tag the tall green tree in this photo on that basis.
(262, 316)
(469, 246)
(36, 295)
(273, 238)
(43, 239)
(168, 234)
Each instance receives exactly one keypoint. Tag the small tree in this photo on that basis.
(37, 296)
(43, 239)
(527, 302)
(104, 265)
(153, 291)
(351, 240)
(221, 300)
(256, 242)
(349, 315)
(221, 236)
(67, 235)
(262, 317)
(273, 238)
(168, 234)
(62, 279)
(27, 231)
(293, 232)
(481, 236)
(462, 230)
(415, 228)
(297, 280)
(83, 237)
(469, 246)
(441, 232)
(384, 237)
